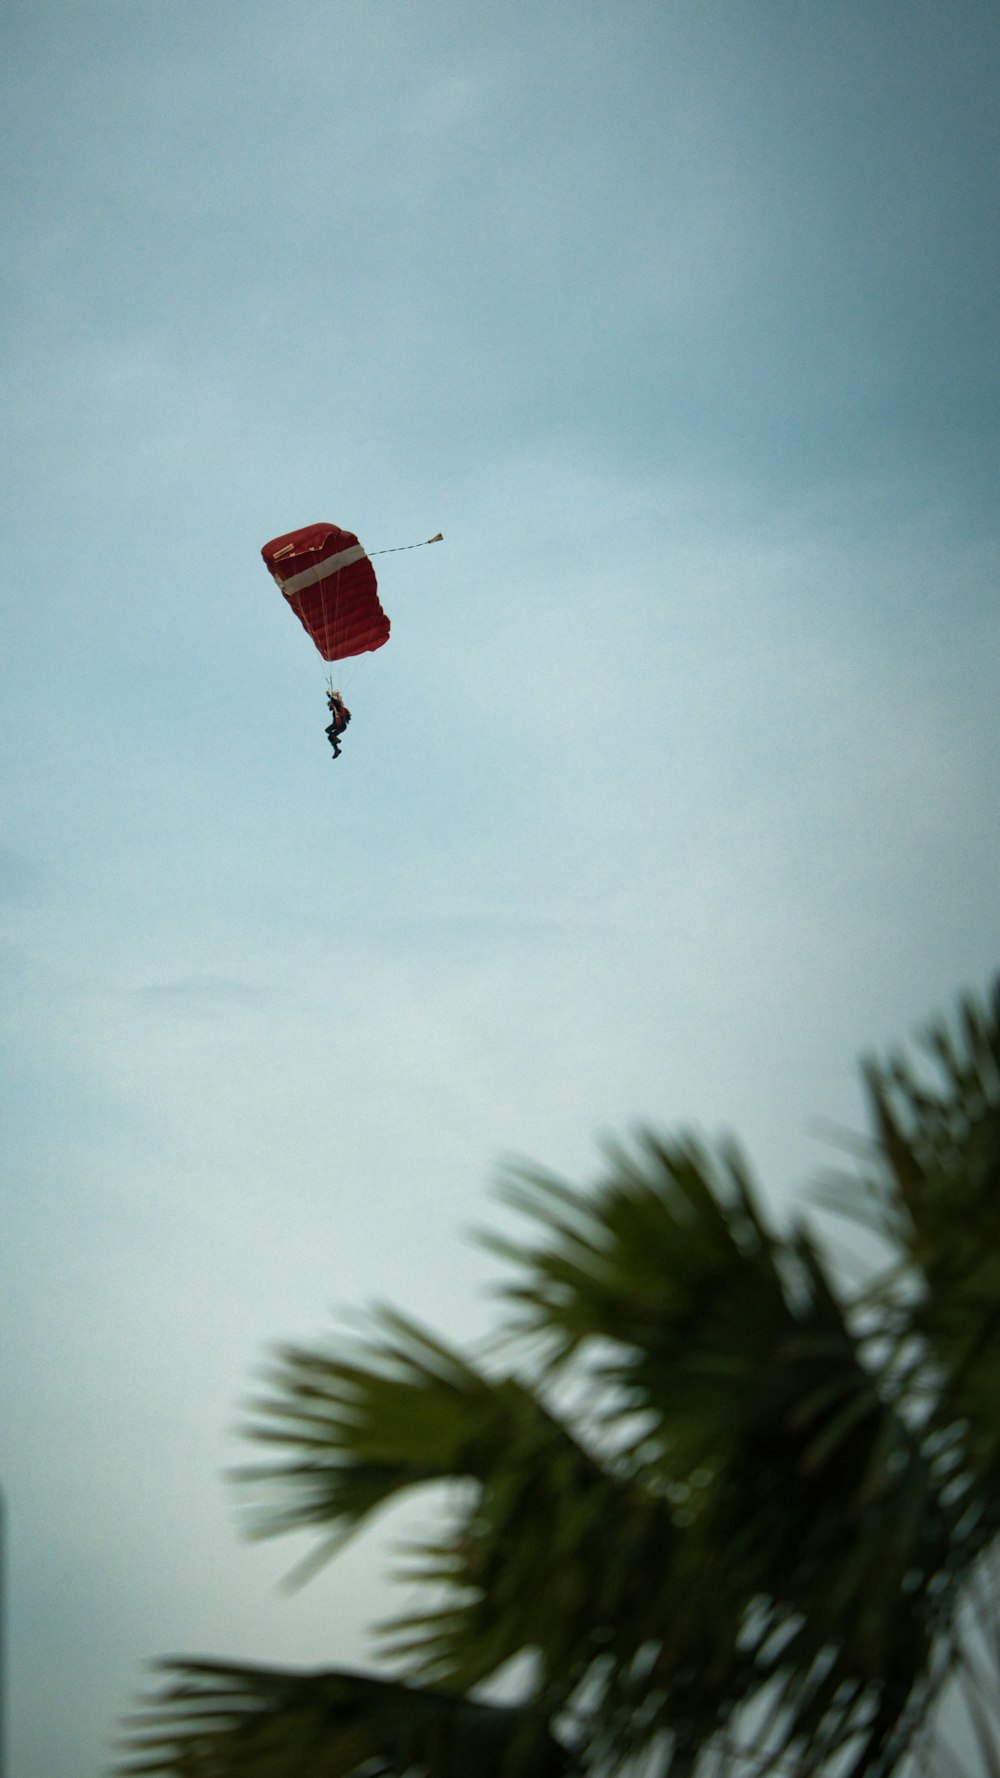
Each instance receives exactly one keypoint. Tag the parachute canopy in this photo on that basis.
(330, 585)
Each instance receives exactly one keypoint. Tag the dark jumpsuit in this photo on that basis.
(340, 717)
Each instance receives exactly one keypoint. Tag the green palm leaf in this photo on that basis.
(811, 1520)
(218, 1721)
(938, 1174)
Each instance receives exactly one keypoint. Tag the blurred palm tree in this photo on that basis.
(724, 1513)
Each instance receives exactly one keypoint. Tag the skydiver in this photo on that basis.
(340, 717)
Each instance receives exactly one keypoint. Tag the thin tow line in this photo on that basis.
(397, 548)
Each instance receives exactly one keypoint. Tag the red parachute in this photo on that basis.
(330, 584)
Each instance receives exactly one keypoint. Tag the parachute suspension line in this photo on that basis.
(346, 669)
(399, 547)
(332, 631)
(325, 613)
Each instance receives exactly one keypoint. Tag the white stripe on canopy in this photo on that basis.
(330, 565)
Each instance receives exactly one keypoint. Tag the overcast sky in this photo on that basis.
(674, 790)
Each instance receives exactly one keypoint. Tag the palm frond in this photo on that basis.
(359, 1426)
(937, 1178)
(211, 1720)
(658, 1244)
(544, 1550)
(557, 1556)
(796, 1485)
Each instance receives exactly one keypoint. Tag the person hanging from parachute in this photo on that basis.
(326, 576)
(340, 716)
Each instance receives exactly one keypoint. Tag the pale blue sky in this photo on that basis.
(674, 789)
